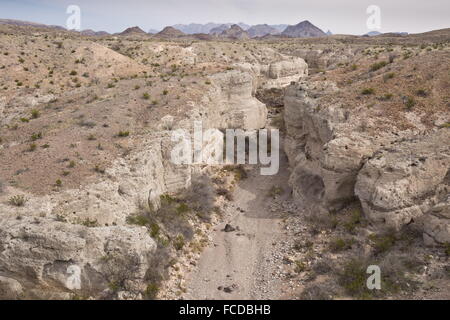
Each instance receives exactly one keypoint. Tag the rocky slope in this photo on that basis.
(341, 151)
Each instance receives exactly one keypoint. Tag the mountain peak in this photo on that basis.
(304, 29)
(133, 30)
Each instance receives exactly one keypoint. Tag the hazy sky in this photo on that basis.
(340, 16)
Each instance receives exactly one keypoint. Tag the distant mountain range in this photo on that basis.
(376, 33)
(217, 28)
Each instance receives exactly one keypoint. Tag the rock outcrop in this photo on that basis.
(231, 104)
(407, 181)
(46, 255)
(400, 177)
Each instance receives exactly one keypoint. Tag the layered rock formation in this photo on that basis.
(399, 176)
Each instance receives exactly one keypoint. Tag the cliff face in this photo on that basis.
(399, 176)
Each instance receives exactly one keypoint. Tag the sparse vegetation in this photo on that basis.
(17, 200)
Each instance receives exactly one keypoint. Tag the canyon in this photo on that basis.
(92, 207)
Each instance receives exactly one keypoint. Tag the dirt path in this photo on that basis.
(241, 264)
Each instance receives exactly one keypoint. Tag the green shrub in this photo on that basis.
(123, 134)
(17, 201)
(32, 147)
(178, 242)
(151, 292)
(410, 103)
(299, 266)
(383, 242)
(340, 244)
(368, 91)
(140, 220)
(35, 114)
(36, 136)
(378, 66)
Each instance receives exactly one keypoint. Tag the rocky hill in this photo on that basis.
(304, 29)
(170, 32)
(133, 31)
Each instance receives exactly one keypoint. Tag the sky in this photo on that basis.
(339, 16)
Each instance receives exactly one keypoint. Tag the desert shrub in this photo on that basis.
(36, 136)
(239, 171)
(138, 219)
(355, 219)
(388, 76)
(225, 193)
(200, 196)
(321, 291)
(321, 220)
(87, 123)
(299, 266)
(35, 114)
(275, 191)
(145, 96)
(173, 215)
(73, 73)
(384, 241)
(151, 292)
(421, 93)
(17, 200)
(341, 244)
(447, 248)
(410, 103)
(322, 267)
(368, 91)
(32, 147)
(123, 134)
(178, 242)
(157, 271)
(353, 278)
(378, 65)
(120, 269)
(387, 96)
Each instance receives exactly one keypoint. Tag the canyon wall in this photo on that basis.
(399, 176)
